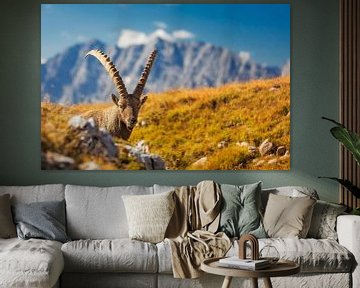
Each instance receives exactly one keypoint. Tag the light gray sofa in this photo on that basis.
(101, 255)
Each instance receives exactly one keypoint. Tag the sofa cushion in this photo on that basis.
(117, 255)
(30, 263)
(36, 193)
(7, 226)
(98, 213)
(313, 255)
(163, 188)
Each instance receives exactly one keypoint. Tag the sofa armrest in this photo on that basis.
(348, 230)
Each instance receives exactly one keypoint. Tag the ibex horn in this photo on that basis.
(111, 69)
(142, 81)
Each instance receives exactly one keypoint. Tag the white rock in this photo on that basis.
(266, 147)
(222, 144)
(260, 162)
(244, 144)
(89, 166)
(77, 122)
(273, 162)
(200, 162)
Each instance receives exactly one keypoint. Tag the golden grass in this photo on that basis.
(182, 126)
(185, 125)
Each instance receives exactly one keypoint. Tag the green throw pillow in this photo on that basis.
(240, 212)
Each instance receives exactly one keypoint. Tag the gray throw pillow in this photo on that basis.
(323, 222)
(7, 227)
(240, 213)
(43, 220)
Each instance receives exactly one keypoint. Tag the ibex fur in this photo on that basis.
(120, 120)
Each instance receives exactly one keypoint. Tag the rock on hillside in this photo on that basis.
(80, 145)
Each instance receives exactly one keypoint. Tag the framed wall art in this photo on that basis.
(165, 86)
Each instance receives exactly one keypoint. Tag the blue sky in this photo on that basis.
(261, 30)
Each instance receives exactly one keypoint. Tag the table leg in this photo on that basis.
(227, 282)
(267, 283)
(254, 282)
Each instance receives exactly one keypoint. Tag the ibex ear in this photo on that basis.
(115, 99)
(143, 99)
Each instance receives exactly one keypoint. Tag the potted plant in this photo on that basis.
(351, 141)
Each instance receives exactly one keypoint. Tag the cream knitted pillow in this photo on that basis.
(149, 215)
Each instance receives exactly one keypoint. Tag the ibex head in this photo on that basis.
(128, 104)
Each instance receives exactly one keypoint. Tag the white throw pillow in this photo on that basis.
(149, 215)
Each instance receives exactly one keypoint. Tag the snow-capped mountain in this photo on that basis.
(70, 78)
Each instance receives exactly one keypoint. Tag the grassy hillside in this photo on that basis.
(184, 126)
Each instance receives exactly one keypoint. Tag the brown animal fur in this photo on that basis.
(120, 119)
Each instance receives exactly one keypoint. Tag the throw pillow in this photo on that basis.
(149, 215)
(7, 227)
(43, 220)
(323, 222)
(288, 217)
(240, 213)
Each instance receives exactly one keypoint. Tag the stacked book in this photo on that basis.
(248, 264)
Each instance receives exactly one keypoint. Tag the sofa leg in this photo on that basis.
(227, 282)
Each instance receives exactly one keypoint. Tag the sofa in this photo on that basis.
(100, 253)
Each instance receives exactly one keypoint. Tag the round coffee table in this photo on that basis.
(281, 268)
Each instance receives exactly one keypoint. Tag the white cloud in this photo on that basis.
(182, 34)
(43, 60)
(81, 38)
(131, 37)
(162, 34)
(160, 25)
(245, 56)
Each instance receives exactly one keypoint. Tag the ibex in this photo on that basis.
(120, 120)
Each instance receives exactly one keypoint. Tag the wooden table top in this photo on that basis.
(281, 268)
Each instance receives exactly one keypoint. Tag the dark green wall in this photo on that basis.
(314, 93)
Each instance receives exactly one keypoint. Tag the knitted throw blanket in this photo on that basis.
(191, 231)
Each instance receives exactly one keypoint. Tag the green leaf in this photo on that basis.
(333, 121)
(348, 138)
(347, 184)
(355, 211)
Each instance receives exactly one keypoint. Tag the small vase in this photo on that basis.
(270, 253)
